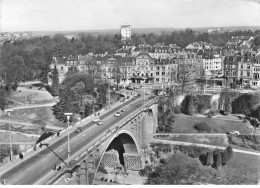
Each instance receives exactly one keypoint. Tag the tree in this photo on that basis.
(3, 99)
(225, 158)
(228, 107)
(180, 169)
(184, 75)
(55, 82)
(230, 153)
(191, 105)
(15, 72)
(217, 159)
(68, 103)
(117, 74)
(80, 89)
(202, 81)
(166, 117)
(209, 160)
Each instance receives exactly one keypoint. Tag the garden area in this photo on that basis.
(31, 95)
(176, 164)
(215, 140)
(245, 142)
(186, 124)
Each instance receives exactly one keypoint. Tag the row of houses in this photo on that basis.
(163, 64)
(140, 69)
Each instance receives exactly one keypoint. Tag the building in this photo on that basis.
(243, 70)
(165, 70)
(212, 63)
(143, 69)
(125, 32)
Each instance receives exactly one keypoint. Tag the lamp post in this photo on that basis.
(68, 118)
(10, 135)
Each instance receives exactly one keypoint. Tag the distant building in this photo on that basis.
(125, 32)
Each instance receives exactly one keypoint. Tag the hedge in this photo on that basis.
(200, 103)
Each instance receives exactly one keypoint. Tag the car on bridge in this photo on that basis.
(123, 110)
(148, 92)
(100, 122)
(151, 97)
(78, 130)
(117, 114)
(96, 120)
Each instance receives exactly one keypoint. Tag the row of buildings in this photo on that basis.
(162, 63)
(139, 69)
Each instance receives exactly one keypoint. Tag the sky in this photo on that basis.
(67, 15)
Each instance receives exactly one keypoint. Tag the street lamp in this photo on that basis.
(68, 118)
(10, 135)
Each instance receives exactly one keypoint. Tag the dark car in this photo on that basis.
(138, 95)
(151, 97)
(78, 130)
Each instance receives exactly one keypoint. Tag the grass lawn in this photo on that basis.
(32, 97)
(185, 124)
(201, 139)
(245, 164)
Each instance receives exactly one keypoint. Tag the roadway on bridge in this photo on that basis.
(39, 165)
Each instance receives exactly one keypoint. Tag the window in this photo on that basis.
(157, 79)
(163, 68)
(248, 66)
(163, 73)
(158, 68)
(248, 73)
(157, 73)
(163, 79)
(151, 74)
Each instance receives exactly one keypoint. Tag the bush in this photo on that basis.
(217, 159)
(225, 157)
(230, 152)
(210, 114)
(145, 171)
(177, 109)
(209, 160)
(203, 127)
(195, 104)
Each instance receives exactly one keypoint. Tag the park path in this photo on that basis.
(28, 124)
(192, 134)
(27, 143)
(202, 145)
(33, 106)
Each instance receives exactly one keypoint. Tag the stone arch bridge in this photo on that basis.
(123, 148)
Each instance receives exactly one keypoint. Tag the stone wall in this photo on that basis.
(132, 161)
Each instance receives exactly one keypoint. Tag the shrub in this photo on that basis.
(225, 157)
(209, 160)
(210, 114)
(163, 160)
(203, 127)
(145, 171)
(177, 109)
(230, 153)
(217, 159)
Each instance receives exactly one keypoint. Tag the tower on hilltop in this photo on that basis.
(125, 32)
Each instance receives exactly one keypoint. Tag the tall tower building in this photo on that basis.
(125, 32)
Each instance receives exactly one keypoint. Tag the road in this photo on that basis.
(36, 167)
